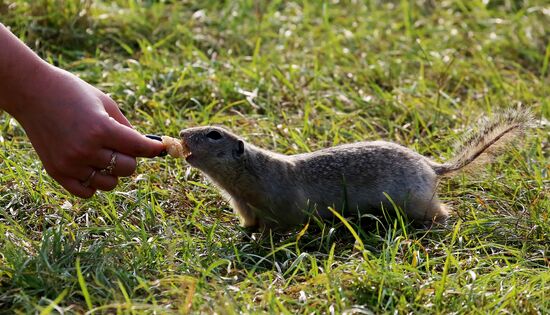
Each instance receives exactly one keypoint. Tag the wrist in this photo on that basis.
(24, 75)
(29, 88)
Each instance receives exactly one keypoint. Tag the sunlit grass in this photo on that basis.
(291, 77)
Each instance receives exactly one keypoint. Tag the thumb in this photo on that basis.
(112, 109)
(128, 141)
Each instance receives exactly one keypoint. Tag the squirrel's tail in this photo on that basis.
(488, 141)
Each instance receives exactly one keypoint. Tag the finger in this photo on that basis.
(123, 165)
(95, 180)
(80, 173)
(112, 109)
(103, 182)
(75, 187)
(130, 142)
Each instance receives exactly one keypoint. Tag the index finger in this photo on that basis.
(130, 142)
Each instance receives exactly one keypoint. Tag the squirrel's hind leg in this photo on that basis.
(428, 213)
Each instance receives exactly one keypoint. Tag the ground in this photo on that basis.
(290, 76)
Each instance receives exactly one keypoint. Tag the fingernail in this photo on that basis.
(154, 137)
(158, 138)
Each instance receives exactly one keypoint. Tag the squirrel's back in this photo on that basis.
(360, 177)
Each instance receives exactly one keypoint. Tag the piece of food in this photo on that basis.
(174, 147)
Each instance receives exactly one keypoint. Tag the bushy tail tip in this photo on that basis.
(489, 141)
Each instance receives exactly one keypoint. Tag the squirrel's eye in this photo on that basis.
(214, 135)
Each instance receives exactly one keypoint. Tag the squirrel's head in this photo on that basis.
(212, 149)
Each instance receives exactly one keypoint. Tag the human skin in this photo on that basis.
(73, 126)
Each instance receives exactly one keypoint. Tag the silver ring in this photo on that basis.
(112, 164)
(87, 181)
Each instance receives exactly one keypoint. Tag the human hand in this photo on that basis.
(76, 130)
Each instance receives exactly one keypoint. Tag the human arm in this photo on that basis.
(74, 127)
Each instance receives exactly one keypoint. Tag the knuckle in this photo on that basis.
(107, 100)
(74, 153)
(98, 130)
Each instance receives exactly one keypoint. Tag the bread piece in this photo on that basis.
(174, 147)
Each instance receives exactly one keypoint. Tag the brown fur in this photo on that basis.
(277, 191)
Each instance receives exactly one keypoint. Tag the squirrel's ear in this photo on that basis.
(240, 147)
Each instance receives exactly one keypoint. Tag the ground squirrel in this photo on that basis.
(272, 190)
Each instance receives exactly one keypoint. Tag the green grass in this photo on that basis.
(419, 73)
